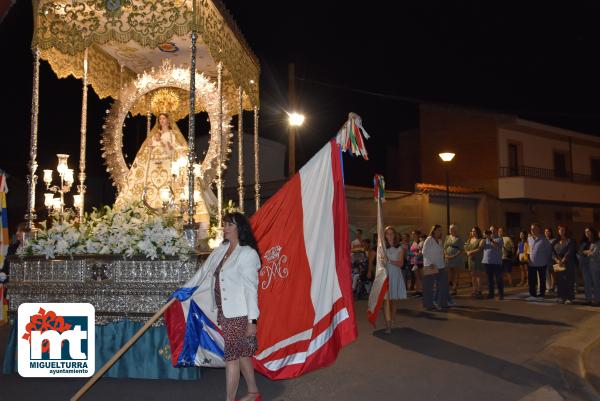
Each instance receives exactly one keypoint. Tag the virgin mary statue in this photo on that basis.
(157, 174)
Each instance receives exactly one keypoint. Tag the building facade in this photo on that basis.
(525, 170)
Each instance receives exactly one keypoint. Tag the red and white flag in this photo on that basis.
(305, 295)
(380, 285)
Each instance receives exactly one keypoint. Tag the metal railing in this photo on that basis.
(547, 174)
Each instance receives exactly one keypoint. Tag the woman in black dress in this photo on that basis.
(565, 259)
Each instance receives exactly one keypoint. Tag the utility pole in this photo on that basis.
(292, 107)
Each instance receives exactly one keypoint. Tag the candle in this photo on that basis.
(62, 163)
(56, 203)
(165, 195)
(175, 168)
(48, 197)
(48, 176)
(68, 177)
(77, 201)
(182, 161)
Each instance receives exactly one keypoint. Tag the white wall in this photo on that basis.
(581, 158)
(560, 191)
(538, 151)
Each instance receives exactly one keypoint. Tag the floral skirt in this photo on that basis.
(237, 344)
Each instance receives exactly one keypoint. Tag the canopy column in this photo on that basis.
(220, 148)
(148, 123)
(256, 161)
(83, 141)
(192, 132)
(241, 150)
(32, 177)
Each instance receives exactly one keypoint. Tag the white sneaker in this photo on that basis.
(530, 298)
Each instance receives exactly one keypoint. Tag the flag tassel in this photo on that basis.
(350, 136)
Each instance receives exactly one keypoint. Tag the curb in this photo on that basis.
(567, 353)
(586, 372)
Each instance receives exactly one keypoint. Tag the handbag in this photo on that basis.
(429, 270)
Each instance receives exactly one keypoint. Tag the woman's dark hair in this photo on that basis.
(525, 233)
(245, 234)
(585, 241)
(396, 243)
(567, 233)
(478, 234)
(433, 228)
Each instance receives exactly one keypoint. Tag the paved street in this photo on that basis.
(480, 350)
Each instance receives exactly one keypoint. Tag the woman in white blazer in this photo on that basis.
(232, 271)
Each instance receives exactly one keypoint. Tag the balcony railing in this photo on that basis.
(547, 174)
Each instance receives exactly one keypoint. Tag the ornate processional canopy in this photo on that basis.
(127, 37)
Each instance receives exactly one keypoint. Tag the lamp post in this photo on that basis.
(295, 120)
(447, 158)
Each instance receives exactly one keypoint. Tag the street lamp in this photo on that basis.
(447, 158)
(295, 120)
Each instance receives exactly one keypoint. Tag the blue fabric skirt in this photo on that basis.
(397, 287)
(148, 358)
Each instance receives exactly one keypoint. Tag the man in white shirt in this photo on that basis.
(433, 258)
(540, 252)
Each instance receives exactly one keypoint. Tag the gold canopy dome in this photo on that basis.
(127, 37)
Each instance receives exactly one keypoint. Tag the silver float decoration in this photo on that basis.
(119, 289)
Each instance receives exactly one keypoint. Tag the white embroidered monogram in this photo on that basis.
(274, 268)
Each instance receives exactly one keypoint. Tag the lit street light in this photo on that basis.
(296, 119)
(447, 158)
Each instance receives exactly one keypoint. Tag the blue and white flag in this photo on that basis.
(194, 336)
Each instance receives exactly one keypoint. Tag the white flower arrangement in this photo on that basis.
(129, 231)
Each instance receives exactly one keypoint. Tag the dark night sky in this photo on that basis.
(539, 61)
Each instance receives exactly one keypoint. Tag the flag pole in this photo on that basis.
(120, 352)
(379, 289)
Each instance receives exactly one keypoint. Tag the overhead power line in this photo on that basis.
(364, 92)
(414, 100)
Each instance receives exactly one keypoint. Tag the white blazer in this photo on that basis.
(433, 254)
(239, 280)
